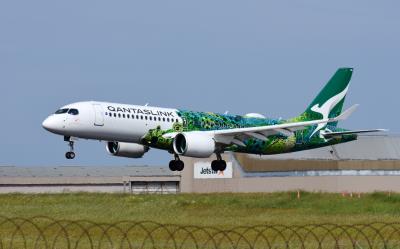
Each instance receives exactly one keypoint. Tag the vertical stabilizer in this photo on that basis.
(329, 102)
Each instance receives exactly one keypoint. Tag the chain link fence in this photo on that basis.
(45, 232)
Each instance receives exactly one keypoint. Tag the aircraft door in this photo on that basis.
(98, 115)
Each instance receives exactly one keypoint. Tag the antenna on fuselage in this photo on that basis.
(146, 104)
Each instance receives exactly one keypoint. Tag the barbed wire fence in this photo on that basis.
(44, 232)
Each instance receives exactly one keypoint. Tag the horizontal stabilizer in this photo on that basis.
(340, 133)
(347, 113)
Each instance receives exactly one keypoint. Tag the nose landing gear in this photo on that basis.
(70, 154)
(219, 164)
(177, 164)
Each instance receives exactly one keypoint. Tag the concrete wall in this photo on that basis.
(243, 181)
(113, 179)
(61, 188)
(254, 164)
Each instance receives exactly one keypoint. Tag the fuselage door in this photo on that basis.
(98, 115)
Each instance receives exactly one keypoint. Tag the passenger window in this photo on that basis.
(119, 115)
(159, 119)
(61, 111)
(141, 117)
(137, 116)
(145, 117)
(73, 112)
(133, 116)
(163, 119)
(167, 119)
(115, 115)
(123, 115)
(150, 118)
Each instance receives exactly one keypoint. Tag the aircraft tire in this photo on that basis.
(70, 155)
(222, 165)
(172, 165)
(179, 165)
(215, 165)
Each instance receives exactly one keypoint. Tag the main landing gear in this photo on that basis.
(70, 154)
(219, 164)
(216, 165)
(176, 164)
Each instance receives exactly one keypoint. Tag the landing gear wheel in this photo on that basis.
(218, 165)
(176, 165)
(172, 165)
(214, 165)
(179, 165)
(222, 165)
(70, 155)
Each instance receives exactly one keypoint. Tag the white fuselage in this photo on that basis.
(109, 121)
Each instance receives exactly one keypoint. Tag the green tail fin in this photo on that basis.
(329, 102)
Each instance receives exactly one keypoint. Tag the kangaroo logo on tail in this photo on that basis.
(327, 107)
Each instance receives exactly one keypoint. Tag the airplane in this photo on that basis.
(131, 130)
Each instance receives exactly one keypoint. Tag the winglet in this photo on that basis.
(346, 113)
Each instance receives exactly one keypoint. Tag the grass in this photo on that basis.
(221, 210)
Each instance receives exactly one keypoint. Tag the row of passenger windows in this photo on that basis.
(151, 118)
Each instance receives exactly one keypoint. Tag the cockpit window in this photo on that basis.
(73, 111)
(61, 111)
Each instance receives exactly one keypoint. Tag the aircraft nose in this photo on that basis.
(50, 124)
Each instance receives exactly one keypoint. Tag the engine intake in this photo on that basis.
(194, 144)
(131, 150)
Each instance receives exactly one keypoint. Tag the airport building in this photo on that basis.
(134, 179)
(371, 163)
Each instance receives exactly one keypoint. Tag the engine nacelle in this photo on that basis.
(194, 144)
(131, 150)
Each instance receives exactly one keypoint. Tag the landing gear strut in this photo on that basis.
(176, 164)
(70, 154)
(219, 164)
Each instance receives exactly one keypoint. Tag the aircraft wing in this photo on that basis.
(236, 135)
(340, 133)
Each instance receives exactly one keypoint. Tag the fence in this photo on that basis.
(45, 232)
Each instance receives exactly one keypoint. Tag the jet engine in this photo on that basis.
(194, 144)
(131, 150)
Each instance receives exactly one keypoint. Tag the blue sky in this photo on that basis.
(270, 57)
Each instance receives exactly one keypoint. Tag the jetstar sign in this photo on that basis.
(202, 170)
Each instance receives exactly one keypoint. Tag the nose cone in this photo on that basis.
(51, 124)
